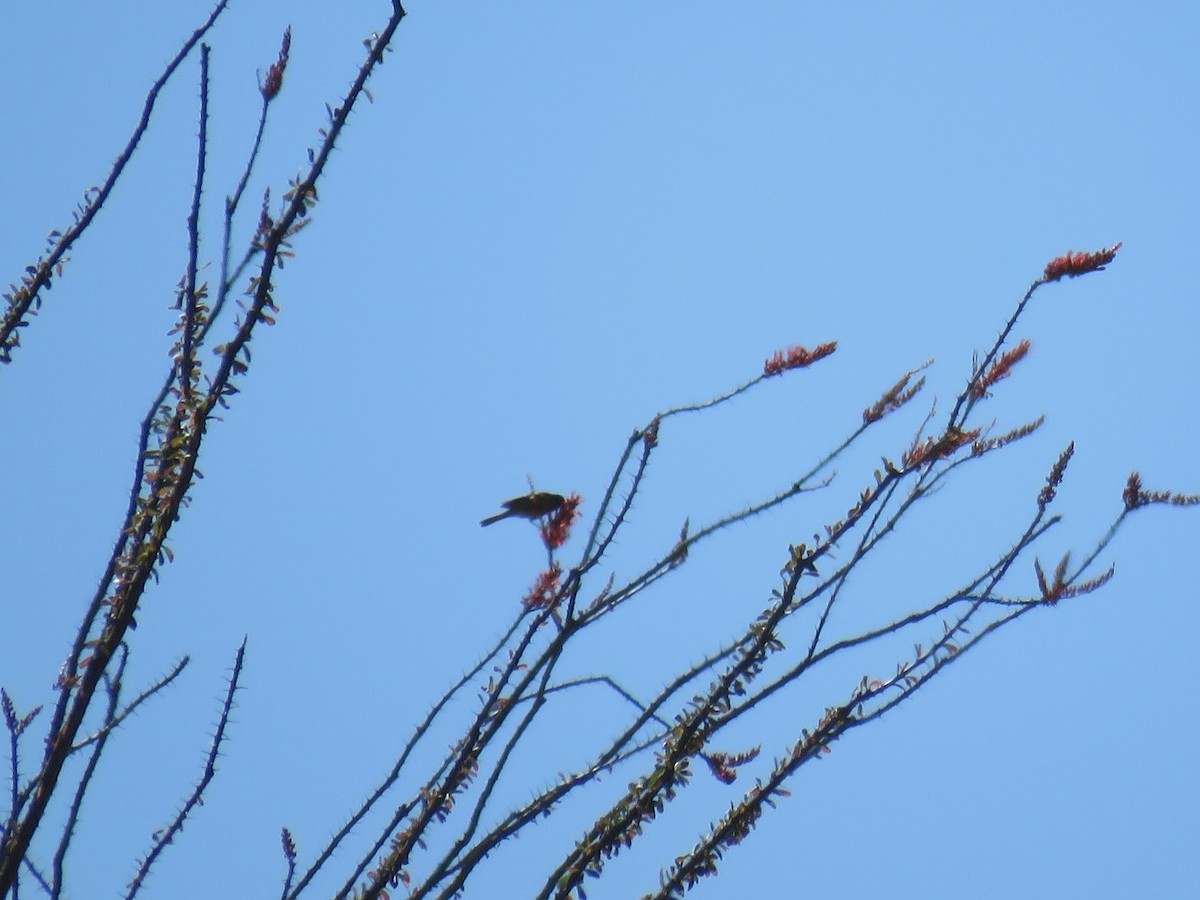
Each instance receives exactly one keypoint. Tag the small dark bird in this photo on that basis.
(533, 505)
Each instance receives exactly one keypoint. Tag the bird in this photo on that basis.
(533, 505)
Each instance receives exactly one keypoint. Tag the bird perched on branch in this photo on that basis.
(533, 505)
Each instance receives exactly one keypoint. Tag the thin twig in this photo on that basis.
(167, 835)
(113, 685)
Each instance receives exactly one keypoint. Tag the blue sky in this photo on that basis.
(555, 221)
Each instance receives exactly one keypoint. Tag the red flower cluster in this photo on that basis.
(796, 358)
(1074, 264)
(933, 449)
(724, 765)
(1001, 369)
(1135, 497)
(274, 80)
(1061, 588)
(557, 528)
(1132, 495)
(1050, 489)
(897, 395)
(544, 591)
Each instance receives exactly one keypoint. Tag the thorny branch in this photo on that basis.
(880, 509)
(681, 720)
(178, 420)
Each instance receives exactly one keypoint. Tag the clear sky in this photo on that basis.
(556, 220)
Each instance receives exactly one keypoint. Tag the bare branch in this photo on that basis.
(166, 836)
